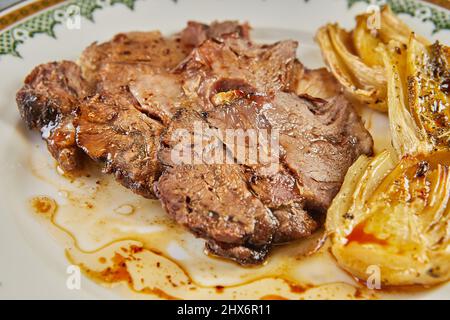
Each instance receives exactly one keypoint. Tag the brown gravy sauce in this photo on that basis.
(360, 236)
(116, 238)
(119, 238)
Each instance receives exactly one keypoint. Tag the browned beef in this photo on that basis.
(218, 64)
(263, 68)
(144, 84)
(196, 33)
(137, 93)
(212, 200)
(48, 102)
(244, 255)
(144, 60)
(319, 141)
(127, 55)
(111, 129)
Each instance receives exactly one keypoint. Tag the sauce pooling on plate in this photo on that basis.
(118, 237)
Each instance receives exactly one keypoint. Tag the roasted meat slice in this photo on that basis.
(214, 202)
(279, 191)
(263, 68)
(198, 187)
(319, 140)
(112, 130)
(202, 194)
(152, 48)
(153, 110)
(201, 74)
(196, 33)
(48, 102)
(144, 60)
(142, 51)
(244, 255)
(236, 85)
(211, 199)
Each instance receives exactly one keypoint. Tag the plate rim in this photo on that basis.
(18, 15)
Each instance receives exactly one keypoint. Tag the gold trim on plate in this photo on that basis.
(36, 6)
(24, 12)
(442, 3)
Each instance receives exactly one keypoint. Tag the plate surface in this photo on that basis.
(35, 252)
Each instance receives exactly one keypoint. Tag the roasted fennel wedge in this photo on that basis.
(418, 96)
(394, 215)
(393, 210)
(355, 59)
(362, 84)
(428, 79)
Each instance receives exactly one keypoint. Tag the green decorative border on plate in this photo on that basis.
(46, 20)
(439, 17)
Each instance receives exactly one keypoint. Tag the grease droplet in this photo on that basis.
(43, 205)
(125, 209)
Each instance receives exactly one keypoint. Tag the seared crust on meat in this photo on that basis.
(265, 68)
(295, 197)
(243, 255)
(213, 201)
(144, 94)
(196, 33)
(329, 135)
(148, 50)
(48, 102)
(112, 130)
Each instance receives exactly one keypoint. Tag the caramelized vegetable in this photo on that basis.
(428, 76)
(394, 216)
(418, 97)
(361, 83)
(355, 57)
(393, 210)
(366, 42)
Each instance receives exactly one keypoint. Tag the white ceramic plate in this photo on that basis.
(35, 252)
